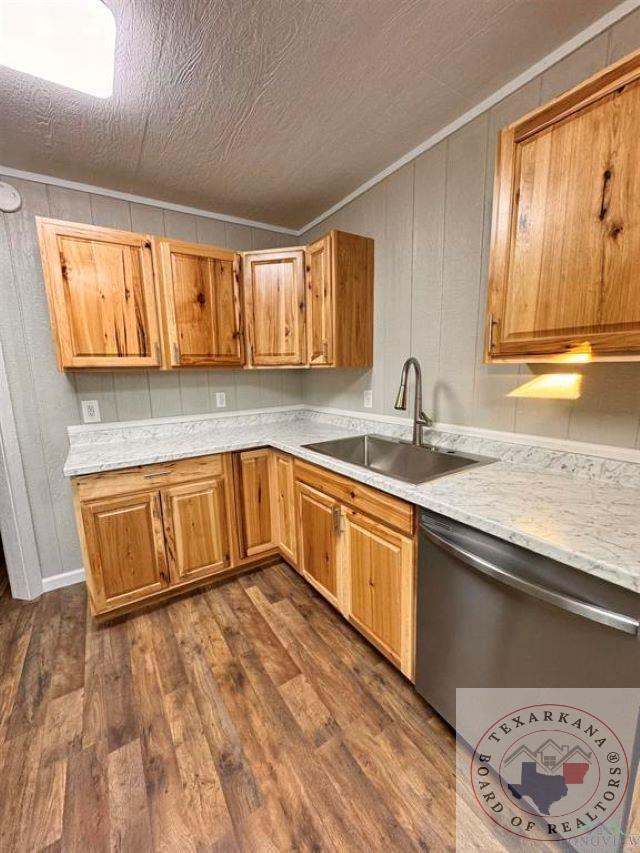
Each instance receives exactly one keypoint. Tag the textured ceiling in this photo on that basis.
(275, 109)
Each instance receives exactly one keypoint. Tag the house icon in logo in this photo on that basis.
(550, 756)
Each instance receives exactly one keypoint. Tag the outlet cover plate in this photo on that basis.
(221, 399)
(91, 412)
(368, 399)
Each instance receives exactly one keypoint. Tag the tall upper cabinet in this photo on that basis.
(102, 297)
(201, 296)
(565, 255)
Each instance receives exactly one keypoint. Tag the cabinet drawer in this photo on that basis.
(109, 483)
(392, 511)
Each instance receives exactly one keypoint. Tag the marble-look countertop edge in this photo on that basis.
(115, 457)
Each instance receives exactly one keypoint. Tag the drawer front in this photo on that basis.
(391, 511)
(142, 477)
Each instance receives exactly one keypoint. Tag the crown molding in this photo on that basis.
(139, 199)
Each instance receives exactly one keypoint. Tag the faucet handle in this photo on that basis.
(425, 420)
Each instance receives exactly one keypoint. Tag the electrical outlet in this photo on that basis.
(368, 399)
(90, 412)
(221, 399)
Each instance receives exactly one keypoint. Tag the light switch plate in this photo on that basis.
(368, 399)
(90, 411)
(221, 399)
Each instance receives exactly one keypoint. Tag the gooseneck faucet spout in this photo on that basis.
(419, 418)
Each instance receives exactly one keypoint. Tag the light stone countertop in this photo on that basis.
(590, 524)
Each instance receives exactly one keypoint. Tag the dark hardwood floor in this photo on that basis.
(247, 716)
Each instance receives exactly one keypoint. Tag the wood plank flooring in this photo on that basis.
(244, 717)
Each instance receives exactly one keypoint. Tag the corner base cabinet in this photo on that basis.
(156, 530)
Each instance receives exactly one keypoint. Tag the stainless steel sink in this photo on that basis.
(397, 458)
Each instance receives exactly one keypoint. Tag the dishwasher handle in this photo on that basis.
(573, 605)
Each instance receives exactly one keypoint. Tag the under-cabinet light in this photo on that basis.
(551, 386)
(70, 42)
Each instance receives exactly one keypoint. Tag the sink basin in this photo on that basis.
(397, 458)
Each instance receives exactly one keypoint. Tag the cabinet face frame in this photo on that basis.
(174, 357)
(54, 270)
(608, 345)
(255, 323)
(320, 320)
(88, 514)
(214, 527)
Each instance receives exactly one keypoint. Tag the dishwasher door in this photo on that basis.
(493, 614)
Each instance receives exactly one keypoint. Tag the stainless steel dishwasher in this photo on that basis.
(493, 614)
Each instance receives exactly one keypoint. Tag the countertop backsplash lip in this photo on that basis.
(578, 462)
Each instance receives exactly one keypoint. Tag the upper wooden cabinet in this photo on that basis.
(339, 279)
(565, 248)
(119, 299)
(201, 294)
(275, 307)
(102, 298)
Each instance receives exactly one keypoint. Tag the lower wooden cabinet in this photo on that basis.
(357, 547)
(284, 497)
(379, 586)
(125, 549)
(196, 528)
(155, 529)
(255, 510)
(319, 520)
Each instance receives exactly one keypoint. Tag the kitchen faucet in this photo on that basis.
(419, 418)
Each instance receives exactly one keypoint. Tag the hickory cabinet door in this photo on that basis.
(274, 301)
(566, 225)
(125, 548)
(318, 269)
(196, 528)
(255, 509)
(379, 580)
(200, 288)
(319, 521)
(102, 295)
(285, 499)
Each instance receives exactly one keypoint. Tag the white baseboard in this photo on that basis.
(63, 579)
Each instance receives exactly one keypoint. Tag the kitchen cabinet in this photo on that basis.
(120, 299)
(380, 585)
(149, 531)
(566, 226)
(255, 506)
(357, 546)
(274, 302)
(125, 548)
(284, 497)
(196, 528)
(201, 300)
(319, 518)
(339, 318)
(102, 296)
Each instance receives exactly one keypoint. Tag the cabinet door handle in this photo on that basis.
(176, 353)
(156, 349)
(492, 323)
(336, 514)
(156, 474)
